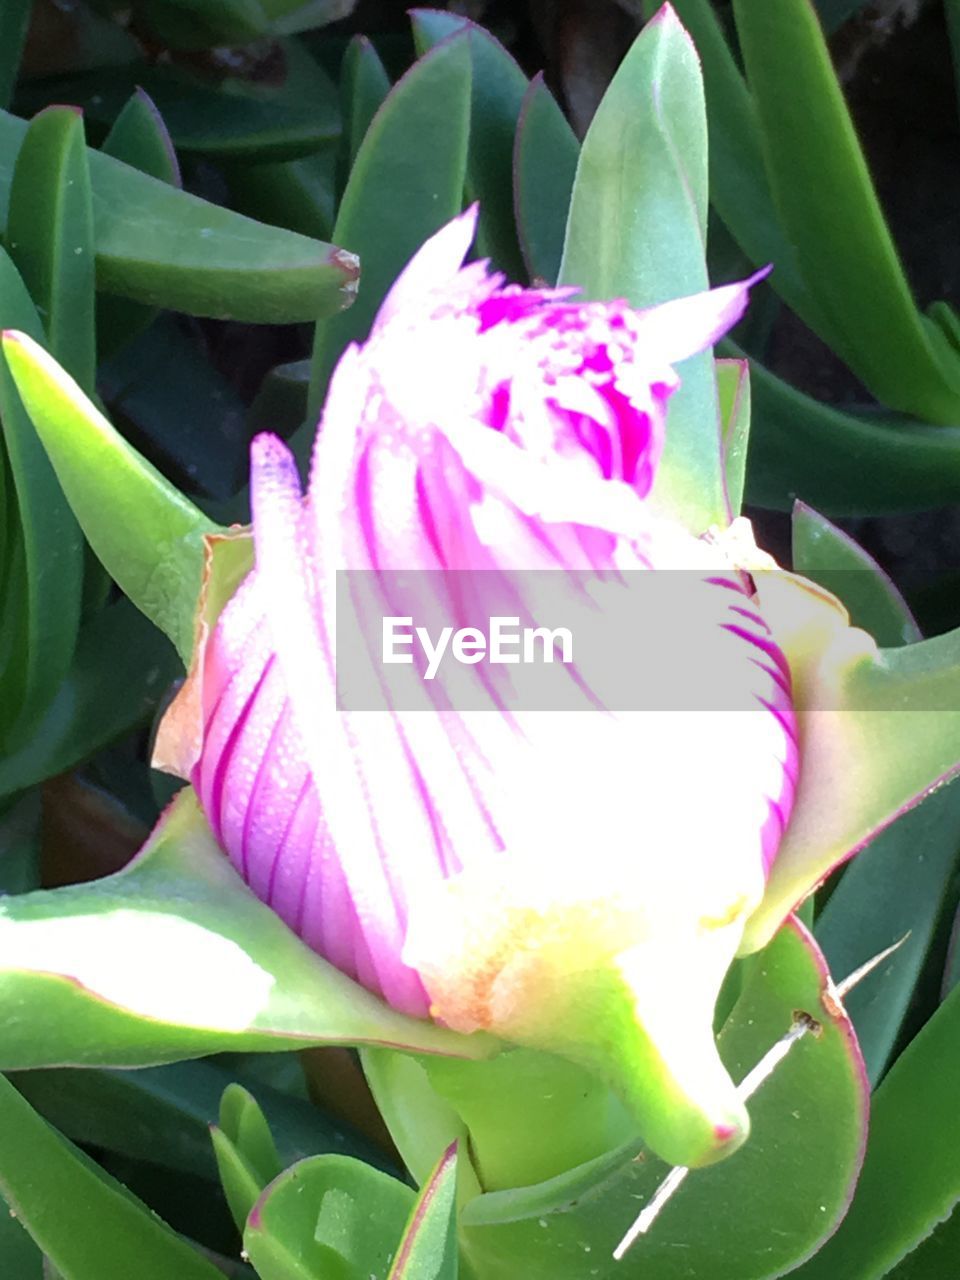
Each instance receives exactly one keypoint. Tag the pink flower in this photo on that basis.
(494, 870)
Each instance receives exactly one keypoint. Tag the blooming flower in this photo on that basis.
(570, 880)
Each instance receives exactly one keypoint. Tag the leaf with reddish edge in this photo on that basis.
(172, 958)
(879, 729)
(830, 557)
(428, 1248)
(327, 1216)
(796, 1173)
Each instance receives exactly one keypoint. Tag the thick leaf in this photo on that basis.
(20, 1259)
(733, 388)
(739, 189)
(175, 1105)
(825, 554)
(50, 236)
(246, 1154)
(751, 1217)
(364, 84)
(147, 534)
(637, 229)
(236, 121)
(544, 164)
(139, 138)
(296, 194)
(428, 1249)
(844, 463)
(499, 87)
(911, 1176)
(895, 891)
(14, 20)
(89, 1226)
(171, 958)
(880, 729)
(198, 24)
(406, 182)
(121, 669)
(281, 403)
(326, 1217)
(48, 612)
(171, 249)
(830, 211)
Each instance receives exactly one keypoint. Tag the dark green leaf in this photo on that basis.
(911, 1176)
(827, 555)
(90, 1227)
(364, 84)
(171, 249)
(406, 182)
(498, 91)
(47, 584)
(843, 463)
(20, 844)
(829, 209)
(296, 194)
(544, 163)
(122, 666)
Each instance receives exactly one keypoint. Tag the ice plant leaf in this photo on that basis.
(829, 208)
(50, 236)
(497, 89)
(168, 248)
(796, 1171)
(147, 534)
(637, 230)
(84, 1221)
(880, 463)
(910, 1182)
(327, 1216)
(50, 573)
(173, 958)
(406, 181)
(428, 1248)
(544, 164)
(878, 730)
(825, 554)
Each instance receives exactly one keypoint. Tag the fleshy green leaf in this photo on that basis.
(844, 463)
(147, 534)
(88, 1225)
(44, 615)
(428, 1249)
(753, 1216)
(364, 84)
(327, 1216)
(637, 229)
(544, 164)
(170, 249)
(173, 957)
(829, 210)
(245, 1150)
(120, 671)
(20, 845)
(825, 554)
(406, 182)
(498, 88)
(911, 1178)
(296, 194)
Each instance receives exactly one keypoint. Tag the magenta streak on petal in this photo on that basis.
(771, 649)
(216, 793)
(268, 799)
(752, 616)
(731, 583)
(778, 678)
